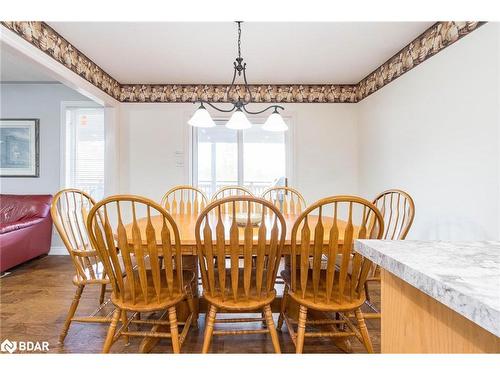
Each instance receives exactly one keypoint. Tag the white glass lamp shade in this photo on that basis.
(275, 123)
(201, 119)
(238, 121)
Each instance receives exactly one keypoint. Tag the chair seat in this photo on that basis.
(153, 303)
(253, 302)
(320, 303)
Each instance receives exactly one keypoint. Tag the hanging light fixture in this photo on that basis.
(201, 118)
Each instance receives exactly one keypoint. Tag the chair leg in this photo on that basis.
(190, 301)
(103, 293)
(272, 329)
(111, 331)
(283, 307)
(367, 292)
(367, 342)
(301, 330)
(124, 322)
(174, 330)
(71, 313)
(209, 328)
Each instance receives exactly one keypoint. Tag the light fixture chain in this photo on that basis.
(239, 39)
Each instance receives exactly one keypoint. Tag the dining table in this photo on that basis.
(186, 224)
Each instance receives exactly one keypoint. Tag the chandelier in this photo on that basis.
(238, 121)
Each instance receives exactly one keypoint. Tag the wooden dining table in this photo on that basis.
(186, 224)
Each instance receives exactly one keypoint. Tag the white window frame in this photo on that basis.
(65, 105)
(191, 157)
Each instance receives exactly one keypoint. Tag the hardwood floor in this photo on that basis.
(36, 295)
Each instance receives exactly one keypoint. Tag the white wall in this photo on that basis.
(325, 143)
(41, 101)
(434, 132)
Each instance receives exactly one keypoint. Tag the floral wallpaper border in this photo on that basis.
(433, 40)
(220, 93)
(53, 44)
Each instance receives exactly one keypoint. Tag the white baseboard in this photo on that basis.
(58, 250)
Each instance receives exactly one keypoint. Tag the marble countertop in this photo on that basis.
(465, 276)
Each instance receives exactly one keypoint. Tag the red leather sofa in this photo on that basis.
(25, 228)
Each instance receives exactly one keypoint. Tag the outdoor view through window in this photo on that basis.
(253, 158)
(85, 150)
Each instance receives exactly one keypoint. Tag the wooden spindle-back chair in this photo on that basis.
(398, 210)
(184, 200)
(328, 229)
(139, 282)
(69, 211)
(230, 191)
(287, 199)
(236, 286)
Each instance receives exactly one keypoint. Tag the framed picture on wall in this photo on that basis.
(19, 147)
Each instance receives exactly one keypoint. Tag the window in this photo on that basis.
(84, 150)
(253, 158)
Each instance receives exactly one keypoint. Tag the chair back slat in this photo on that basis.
(287, 199)
(253, 251)
(333, 247)
(261, 253)
(68, 210)
(130, 244)
(317, 253)
(234, 244)
(221, 251)
(207, 233)
(346, 254)
(304, 256)
(184, 200)
(247, 252)
(166, 241)
(326, 230)
(125, 250)
(139, 255)
(274, 254)
(153, 255)
(109, 243)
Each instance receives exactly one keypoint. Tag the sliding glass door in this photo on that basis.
(253, 158)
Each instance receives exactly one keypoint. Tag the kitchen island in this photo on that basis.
(438, 297)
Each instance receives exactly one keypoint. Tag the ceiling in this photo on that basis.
(17, 68)
(203, 52)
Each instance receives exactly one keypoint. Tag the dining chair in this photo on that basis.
(329, 228)
(234, 286)
(229, 191)
(69, 211)
(398, 210)
(139, 283)
(184, 199)
(287, 199)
